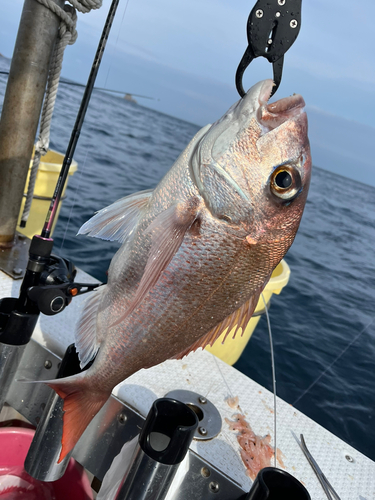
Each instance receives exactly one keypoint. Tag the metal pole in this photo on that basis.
(41, 460)
(22, 106)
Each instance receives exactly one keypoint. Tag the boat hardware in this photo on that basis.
(272, 28)
(103, 439)
(210, 422)
(326, 485)
(276, 483)
(41, 460)
(163, 444)
(13, 259)
(22, 105)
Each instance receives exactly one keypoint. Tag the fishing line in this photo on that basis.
(222, 375)
(333, 362)
(122, 20)
(273, 374)
(118, 36)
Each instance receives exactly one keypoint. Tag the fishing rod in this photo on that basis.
(76, 84)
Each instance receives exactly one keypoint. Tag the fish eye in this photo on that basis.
(285, 182)
(283, 179)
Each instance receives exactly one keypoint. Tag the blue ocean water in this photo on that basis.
(323, 321)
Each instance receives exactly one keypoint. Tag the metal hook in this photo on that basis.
(272, 28)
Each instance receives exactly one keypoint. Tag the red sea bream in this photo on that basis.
(197, 250)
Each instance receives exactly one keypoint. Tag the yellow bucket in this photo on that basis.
(49, 170)
(232, 349)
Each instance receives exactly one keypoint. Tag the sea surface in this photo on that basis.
(323, 321)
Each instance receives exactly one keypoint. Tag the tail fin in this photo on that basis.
(81, 404)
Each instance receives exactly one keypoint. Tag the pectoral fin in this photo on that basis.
(238, 319)
(117, 221)
(168, 231)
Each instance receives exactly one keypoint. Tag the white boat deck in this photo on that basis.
(203, 373)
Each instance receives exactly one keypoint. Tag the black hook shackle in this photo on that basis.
(272, 28)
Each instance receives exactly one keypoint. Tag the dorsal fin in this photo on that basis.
(117, 221)
(239, 319)
(167, 230)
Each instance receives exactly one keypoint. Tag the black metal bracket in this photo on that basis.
(272, 28)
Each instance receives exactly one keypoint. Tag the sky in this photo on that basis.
(184, 54)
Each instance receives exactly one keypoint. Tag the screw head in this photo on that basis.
(47, 364)
(214, 486)
(205, 472)
(349, 458)
(259, 13)
(17, 271)
(293, 23)
(281, 2)
(277, 14)
(122, 418)
(269, 41)
(202, 400)
(202, 431)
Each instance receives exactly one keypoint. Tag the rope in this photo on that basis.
(67, 36)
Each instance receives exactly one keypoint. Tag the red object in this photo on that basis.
(15, 483)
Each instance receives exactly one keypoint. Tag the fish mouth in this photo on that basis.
(272, 115)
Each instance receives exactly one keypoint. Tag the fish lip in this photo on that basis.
(283, 105)
(287, 105)
(272, 115)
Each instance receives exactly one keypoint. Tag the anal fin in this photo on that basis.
(238, 319)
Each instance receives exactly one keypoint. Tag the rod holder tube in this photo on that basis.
(163, 443)
(276, 483)
(16, 329)
(22, 106)
(10, 356)
(41, 460)
(146, 479)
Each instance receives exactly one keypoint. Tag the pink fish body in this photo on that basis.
(197, 250)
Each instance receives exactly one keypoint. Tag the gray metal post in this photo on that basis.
(22, 106)
(41, 460)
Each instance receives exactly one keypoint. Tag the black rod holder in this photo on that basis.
(272, 483)
(163, 443)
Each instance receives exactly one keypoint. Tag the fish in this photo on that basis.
(196, 252)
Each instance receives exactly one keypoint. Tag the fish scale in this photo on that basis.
(197, 252)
